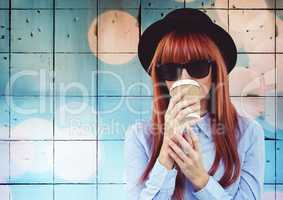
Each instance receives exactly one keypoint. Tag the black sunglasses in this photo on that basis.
(195, 68)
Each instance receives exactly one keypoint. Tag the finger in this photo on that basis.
(174, 99)
(192, 121)
(188, 137)
(177, 150)
(194, 107)
(195, 141)
(181, 105)
(186, 146)
(181, 140)
(180, 128)
(185, 129)
(186, 111)
(175, 157)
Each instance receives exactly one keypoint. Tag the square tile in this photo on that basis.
(269, 192)
(71, 30)
(279, 118)
(219, 17)
(149, 16)
(118, 31)
(111, 162)
(4, 159)
(279, 192)
(162, 4)
(279, 26)
(262, 109)
(32, 31)
(75, 118)
(5, 192)
(119, 4)
(28, 111)
(4, 4)
(256, 34)
(258, 75)
(31, 162)
(119, 74)
(251, 4)
(74, 192)
(206, 4)
(269, 176)
(80, 157)
(4, 117)
(31, 74)
(279, 4)
(279, 161)
(4, 30)
(23, 192)
(75, 4)
(4, 74)
(115, 114)
(146, 108)
(279, 74)
(75, 74)
(111, 191)
(29, 4)
(146, 83)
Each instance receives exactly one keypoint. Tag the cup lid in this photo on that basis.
(183, 82)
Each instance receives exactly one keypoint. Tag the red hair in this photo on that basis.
(181, 47)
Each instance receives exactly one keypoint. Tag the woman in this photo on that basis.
(224, 157)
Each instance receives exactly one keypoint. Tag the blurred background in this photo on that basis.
(71, 84)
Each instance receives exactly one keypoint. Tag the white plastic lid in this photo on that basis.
(183, 82)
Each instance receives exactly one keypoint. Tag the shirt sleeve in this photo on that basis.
(251, 184)
(160, 183)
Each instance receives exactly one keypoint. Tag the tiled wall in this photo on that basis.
(71, 83)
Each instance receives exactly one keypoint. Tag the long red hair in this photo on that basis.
(180, 47)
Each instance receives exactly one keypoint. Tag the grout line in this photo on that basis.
(87, 183)
(115, 96)
(144, 8)
(140, 31)
(275, 102)
(69, 52)
(86, 140)
(53, 98)
(62, 183)
(228, 16)
(97, 63)
(9, 89)
(89, 8)
(125, 52)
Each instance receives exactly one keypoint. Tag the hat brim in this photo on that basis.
(153, 34)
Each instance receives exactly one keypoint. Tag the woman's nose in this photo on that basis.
(185, 75)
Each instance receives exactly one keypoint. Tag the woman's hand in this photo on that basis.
(188, 157)
(174, 124)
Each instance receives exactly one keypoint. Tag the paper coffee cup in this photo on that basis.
(192, 90)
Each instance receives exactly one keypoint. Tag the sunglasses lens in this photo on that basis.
(199, 68)
(169, 71)
(195, 68)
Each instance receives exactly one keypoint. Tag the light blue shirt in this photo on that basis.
(161, 182)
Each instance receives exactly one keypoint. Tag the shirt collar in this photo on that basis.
(204, 124)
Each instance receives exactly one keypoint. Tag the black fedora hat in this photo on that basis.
(188, 19)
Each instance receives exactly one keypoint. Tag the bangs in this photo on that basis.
(180, 47)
